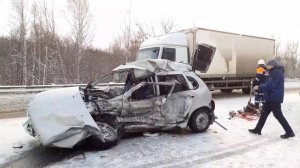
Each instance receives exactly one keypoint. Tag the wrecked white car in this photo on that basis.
(157, 94)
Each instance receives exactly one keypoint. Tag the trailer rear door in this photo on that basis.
(202, 57)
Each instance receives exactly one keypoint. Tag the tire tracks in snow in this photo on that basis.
(212, 155)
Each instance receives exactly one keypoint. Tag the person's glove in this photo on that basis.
(255, 88)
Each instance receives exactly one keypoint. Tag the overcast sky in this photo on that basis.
(253, 17)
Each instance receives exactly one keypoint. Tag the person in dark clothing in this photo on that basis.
(273, 93)
(261, 72)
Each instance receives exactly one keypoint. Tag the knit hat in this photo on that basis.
(272, 62)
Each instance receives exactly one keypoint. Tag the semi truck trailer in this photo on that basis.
(233, 64)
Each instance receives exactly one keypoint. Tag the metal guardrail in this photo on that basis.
(40, 88)
(228, 81)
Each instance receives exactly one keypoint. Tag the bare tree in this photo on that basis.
(126, 44)
(45, 57)
(277, 46)
(35, 54)
(19, 26)
(80, 20)
(289, 57)
(167, 25)
(146, 30)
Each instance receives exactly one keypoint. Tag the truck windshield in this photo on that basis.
(148, 53)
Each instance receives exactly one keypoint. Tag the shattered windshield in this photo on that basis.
(148, 53)
(120, 77)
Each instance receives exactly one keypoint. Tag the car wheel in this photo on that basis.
(109, 134)
(200, 120)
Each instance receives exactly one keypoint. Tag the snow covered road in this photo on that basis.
(179, 148)
(14, 105)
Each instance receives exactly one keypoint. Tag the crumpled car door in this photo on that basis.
(176, 107)
(178, 98)
(141, 106)
(146, 111)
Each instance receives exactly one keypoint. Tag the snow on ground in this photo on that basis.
(292, 84)
(13, 134)
(14, 104)
(215, 148)
(181, 148)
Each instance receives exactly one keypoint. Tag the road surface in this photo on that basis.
(178, 148)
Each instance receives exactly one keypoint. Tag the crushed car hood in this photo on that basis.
(60, 118)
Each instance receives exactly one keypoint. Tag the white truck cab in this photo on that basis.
(172, 47)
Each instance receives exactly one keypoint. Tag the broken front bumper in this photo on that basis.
(59, 118)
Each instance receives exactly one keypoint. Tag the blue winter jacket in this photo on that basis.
(274, 88)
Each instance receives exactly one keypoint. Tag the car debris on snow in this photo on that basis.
(17, 145)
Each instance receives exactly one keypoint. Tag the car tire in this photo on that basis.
(111, 137)
(226, 90)
(200, 120)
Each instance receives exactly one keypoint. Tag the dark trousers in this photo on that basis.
(275, 107)
(259, 98)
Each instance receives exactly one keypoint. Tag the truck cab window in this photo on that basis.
(169, 54)
(148, 53)
(182, 55)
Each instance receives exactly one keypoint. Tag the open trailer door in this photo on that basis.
(202, 57)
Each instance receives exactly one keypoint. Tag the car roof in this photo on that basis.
(146, 67)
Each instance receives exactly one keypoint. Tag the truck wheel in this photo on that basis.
(200, 120)
(226, 90)
(246, 90)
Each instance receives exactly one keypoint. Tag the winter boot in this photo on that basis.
(287, 135)
(254, 131)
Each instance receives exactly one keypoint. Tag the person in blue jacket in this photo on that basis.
(273, 92)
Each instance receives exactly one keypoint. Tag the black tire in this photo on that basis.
(96, 144)
(246, 90)
(226, 90)
(200, 120)
(110, 135)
